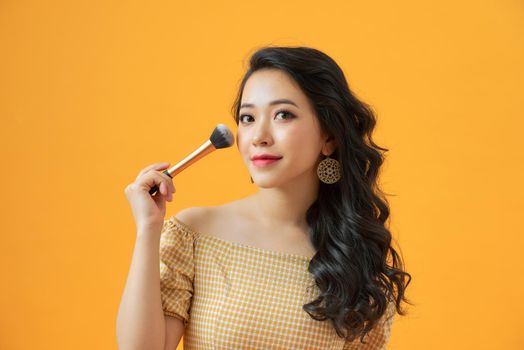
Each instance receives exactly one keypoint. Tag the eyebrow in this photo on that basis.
(275, 102)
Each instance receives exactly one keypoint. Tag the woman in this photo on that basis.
(301, 264)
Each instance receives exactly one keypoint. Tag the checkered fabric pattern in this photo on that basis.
(234, 296)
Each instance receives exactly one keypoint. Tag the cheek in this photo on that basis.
(242, 146)
(297, 137)
(290, 135)
(300, 150)
(240, 140)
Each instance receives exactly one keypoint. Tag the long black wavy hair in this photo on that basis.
(347, 220)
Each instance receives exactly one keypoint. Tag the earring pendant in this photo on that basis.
(328, 170)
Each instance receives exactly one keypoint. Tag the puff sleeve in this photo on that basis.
(378, 337)
(176, 269)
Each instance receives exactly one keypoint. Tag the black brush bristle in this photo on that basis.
(222, 137)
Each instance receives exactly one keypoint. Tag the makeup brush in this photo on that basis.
(221, 137)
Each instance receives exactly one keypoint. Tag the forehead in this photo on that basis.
(266, 85)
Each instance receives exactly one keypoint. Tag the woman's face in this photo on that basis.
(282, 129)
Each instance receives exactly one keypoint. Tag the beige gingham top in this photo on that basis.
(234, 296)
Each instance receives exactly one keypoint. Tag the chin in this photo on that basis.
(267, 182)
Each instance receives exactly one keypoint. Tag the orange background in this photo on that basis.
(92, 92)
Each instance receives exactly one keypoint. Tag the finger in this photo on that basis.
(155, 178)
(166, 189)
(169, 180)
(157, 166)
(169, 186)
(160, 200)
(149, 180)
(165, 193)
(162, 186)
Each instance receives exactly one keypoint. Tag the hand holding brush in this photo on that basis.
(152, 187)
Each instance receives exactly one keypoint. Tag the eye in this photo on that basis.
(290, 115)
(244, 115)
(283, 111)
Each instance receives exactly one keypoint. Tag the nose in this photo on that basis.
(262, 134)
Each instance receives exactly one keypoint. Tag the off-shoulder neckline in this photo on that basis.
(241, 245)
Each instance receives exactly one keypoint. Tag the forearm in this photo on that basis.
(140, 322)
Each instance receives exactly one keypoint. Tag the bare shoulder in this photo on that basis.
(222, 221)
(194, 217)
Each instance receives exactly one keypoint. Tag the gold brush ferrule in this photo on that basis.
(206, 148)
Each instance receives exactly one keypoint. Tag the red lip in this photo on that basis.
(265, 156)
(264, 162)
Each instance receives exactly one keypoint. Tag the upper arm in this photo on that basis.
(175, 326)
(174, 332)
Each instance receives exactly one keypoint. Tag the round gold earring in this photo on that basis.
(328, 170)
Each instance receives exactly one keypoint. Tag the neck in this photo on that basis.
(285, 207)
